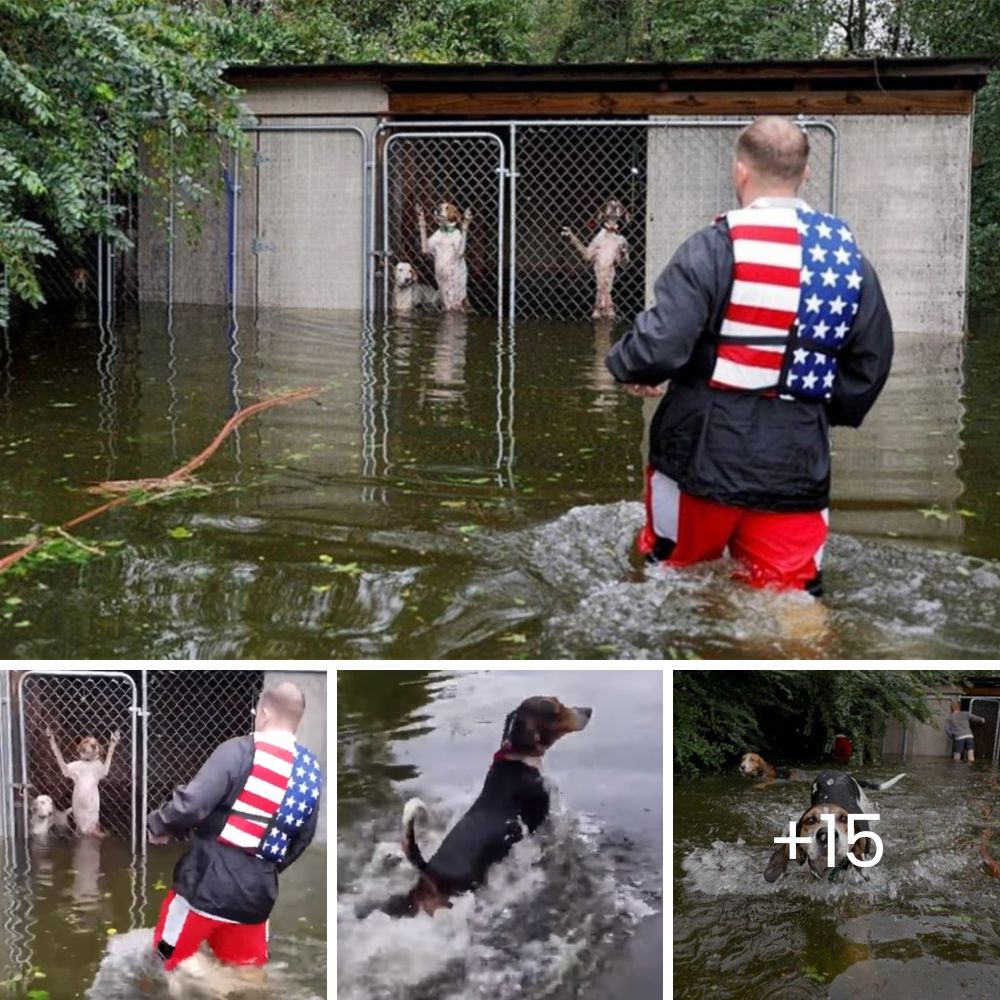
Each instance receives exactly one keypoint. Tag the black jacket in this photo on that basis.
(741, 448)
(215, 878)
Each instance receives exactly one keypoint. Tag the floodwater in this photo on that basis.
(573, 913)
(454, 491)
(77, 919)
(925, 923)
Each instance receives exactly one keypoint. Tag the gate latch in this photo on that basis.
(261, 246)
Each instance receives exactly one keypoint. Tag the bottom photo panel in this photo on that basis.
(836, 834)
(163, 834)
(500, 834)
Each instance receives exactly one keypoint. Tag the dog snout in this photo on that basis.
(582, 715)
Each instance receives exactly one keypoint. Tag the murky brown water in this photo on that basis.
(575, 912)
(455, 491)
(76, 920)
(925, 924)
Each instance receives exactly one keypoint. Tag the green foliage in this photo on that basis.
(718, 714)
(84, 84)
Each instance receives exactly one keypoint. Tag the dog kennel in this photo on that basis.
(170, 722)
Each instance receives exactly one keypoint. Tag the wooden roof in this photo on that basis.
(835, 86)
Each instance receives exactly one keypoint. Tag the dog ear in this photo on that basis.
(777, 864)
(520, 731)
(862, 846)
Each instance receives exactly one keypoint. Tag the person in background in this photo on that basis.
(958, 727)
(771, 328)
(843, 749)
(252, 809)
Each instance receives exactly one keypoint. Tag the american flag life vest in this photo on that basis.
(796, 292)
(279, 795)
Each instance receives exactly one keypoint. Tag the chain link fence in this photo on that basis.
(466, 169)
(77, 705)
(672, 178)
(188, 714)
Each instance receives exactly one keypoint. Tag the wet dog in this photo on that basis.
(606, 251)
(408, 293)
(838, 794)
(514, 800)
(45, 819)
(447, 246)
(86, 774)
(753, 766)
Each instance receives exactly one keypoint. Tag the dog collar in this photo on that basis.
(448, 227)
(836, 871)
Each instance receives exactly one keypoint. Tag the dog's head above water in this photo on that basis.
(538, 722)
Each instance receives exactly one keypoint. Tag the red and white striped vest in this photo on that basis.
(796, 291)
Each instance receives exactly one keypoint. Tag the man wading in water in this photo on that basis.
(771, 327)
(252, 809)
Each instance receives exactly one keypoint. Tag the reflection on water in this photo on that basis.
(579, 895)
(922, 925)
(79, 912)
(417, 506)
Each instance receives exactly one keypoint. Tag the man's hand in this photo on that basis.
(154, 838)
(643, 391)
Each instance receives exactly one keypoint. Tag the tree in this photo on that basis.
(83, 85)
(719, 714)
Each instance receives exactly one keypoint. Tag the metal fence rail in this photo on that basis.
(188, 713)
(424, 169)
(671, 176)
(77, 704)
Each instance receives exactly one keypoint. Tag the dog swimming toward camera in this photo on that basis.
(514, 799)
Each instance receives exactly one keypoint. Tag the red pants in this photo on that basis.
(180, 930)
(776, 549)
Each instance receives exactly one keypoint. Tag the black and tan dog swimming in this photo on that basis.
(514, 799)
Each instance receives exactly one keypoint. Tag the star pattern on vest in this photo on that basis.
(301, 798)
(830, 280)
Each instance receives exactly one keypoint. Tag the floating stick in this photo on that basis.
(178, 476)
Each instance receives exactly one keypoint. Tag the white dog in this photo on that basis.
(86, 774)
(606, 251)
(407, 291)
(447, 246)
(44, 818)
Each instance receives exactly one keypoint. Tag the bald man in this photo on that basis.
(770, 327)
(252, 811)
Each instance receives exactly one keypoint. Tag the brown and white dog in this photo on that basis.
(86, 774)
(606, 251)
(446, 245)
(752, 765)
(514, 801)
(837, 794)
(408, 293)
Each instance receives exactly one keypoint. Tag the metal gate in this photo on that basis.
(188, 714)
(670, 175)
(987, 735)
(426, 168)
(75, 704)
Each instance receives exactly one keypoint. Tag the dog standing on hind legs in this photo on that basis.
(606, 251)
(446, 245)
(513, 800)
(86, 774)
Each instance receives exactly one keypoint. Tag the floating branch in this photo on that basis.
(136, 490)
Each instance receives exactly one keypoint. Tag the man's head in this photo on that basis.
(280, 707)
(956, 706)
(771, 159)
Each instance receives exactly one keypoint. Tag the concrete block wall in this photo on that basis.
(921, 739)
(903, 188)
(303, 203)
